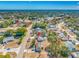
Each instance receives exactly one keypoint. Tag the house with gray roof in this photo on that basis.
(7, 39)
(70, 45)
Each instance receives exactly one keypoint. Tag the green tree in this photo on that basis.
(32, 43)
(57, 47)
(21, 31)
(1, 39)
(9, 32)
(52, 37)
(41, 25)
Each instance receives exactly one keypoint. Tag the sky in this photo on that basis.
(37, 5)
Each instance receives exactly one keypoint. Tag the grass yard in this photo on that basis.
(4, 56)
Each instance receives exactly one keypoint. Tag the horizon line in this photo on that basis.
(39, 9)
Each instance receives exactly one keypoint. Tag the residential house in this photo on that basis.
(51, 27)
(7, 39)
(70, 45)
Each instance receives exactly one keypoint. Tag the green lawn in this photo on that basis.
(5, 56)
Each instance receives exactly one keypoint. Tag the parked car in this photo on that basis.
(8, 49)
(28, 40)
